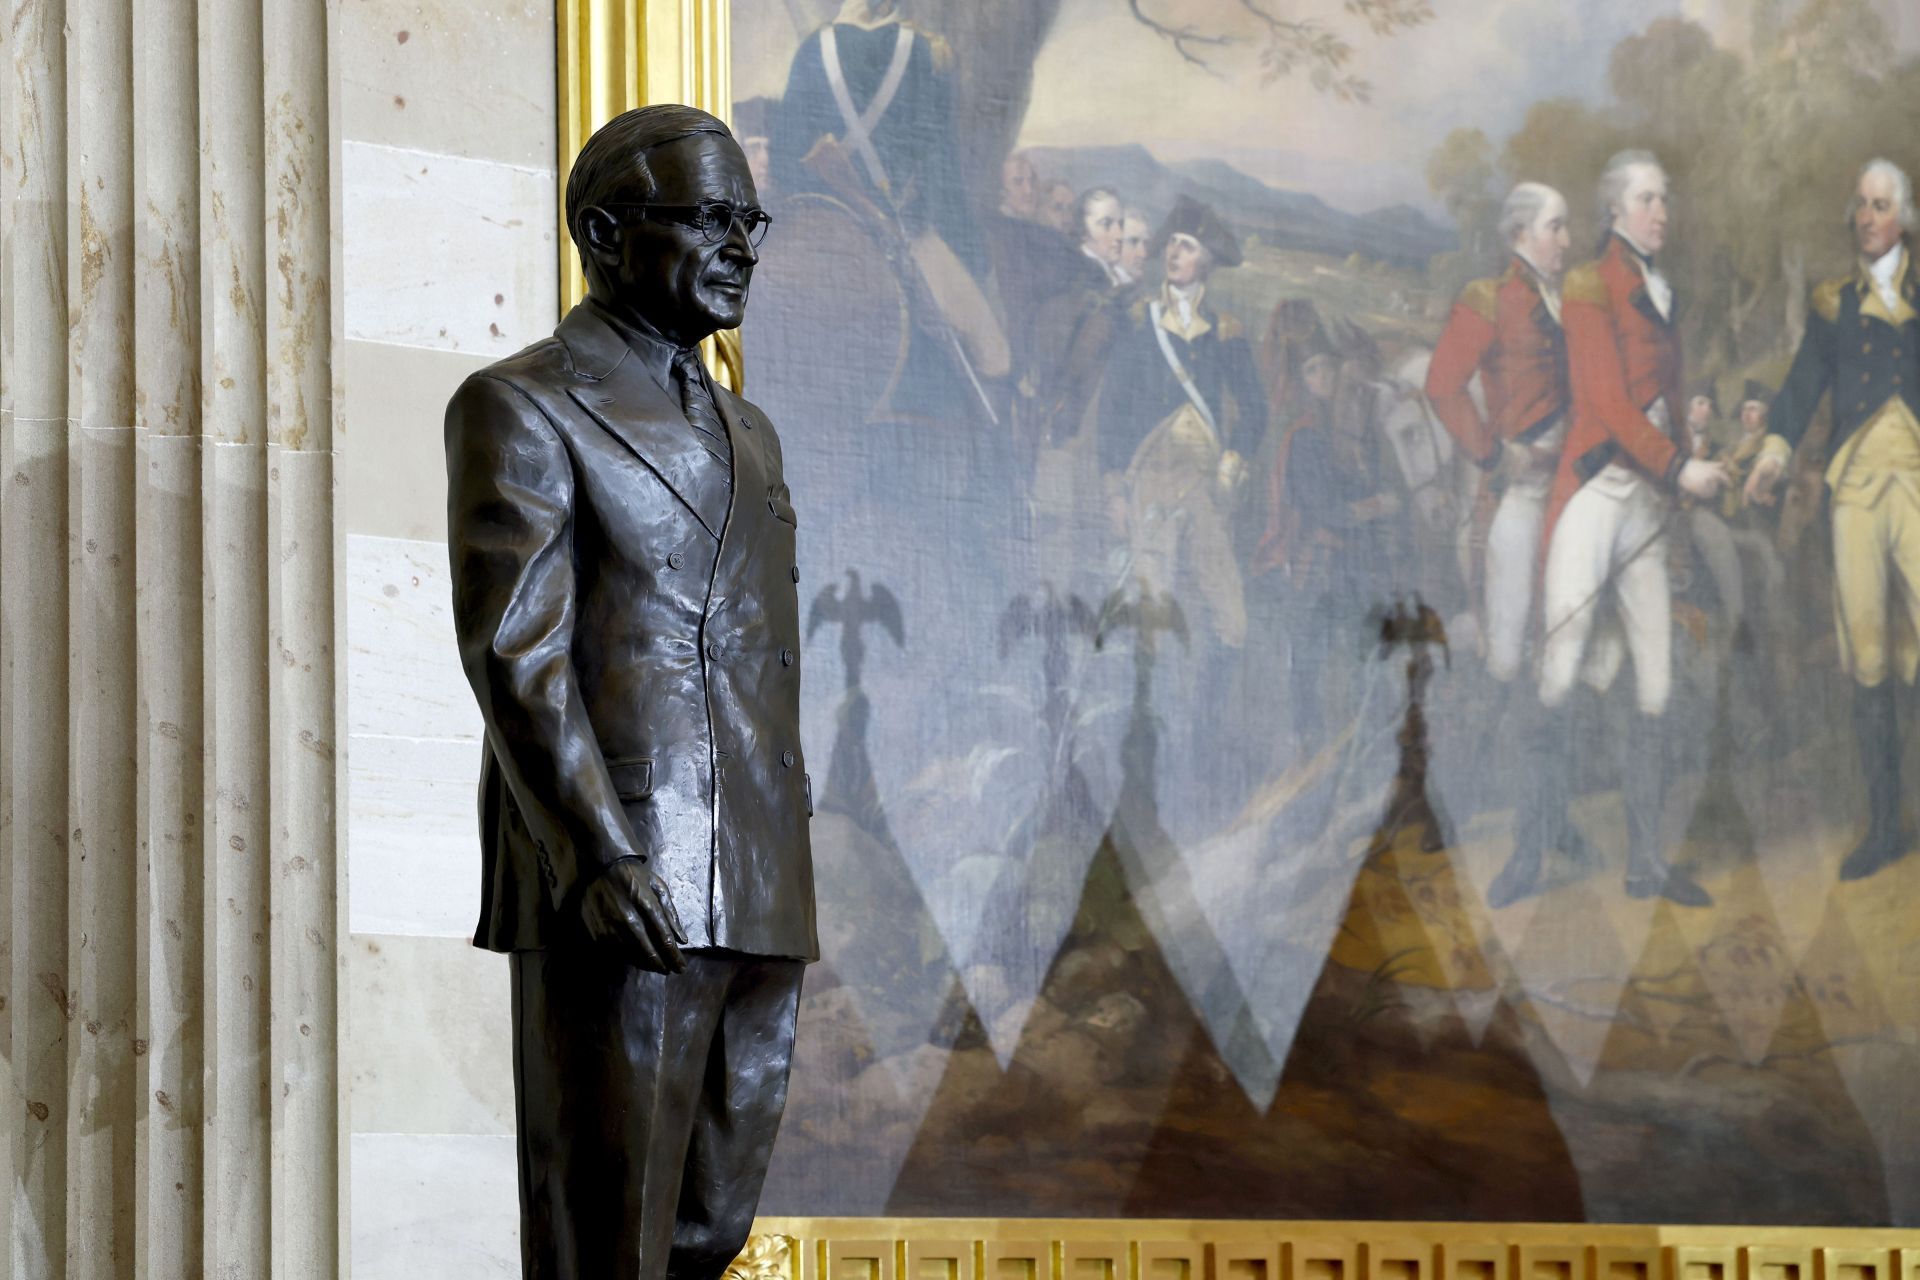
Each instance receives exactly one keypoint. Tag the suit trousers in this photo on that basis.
(648, 1105)
(1606, 594)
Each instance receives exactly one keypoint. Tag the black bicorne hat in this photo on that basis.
(1191, 217)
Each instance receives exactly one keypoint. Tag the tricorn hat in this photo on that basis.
(750, 118)
(1191, 217)
(1756, 390)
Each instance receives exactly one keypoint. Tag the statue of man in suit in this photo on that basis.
(622, 546)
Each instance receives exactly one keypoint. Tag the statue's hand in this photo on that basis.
(628, 909)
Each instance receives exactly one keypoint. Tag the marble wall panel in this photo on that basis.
(434, 1207)
(467, 78)
(393, 475)
(446, 252)
(429, 1048)
(414, 836)
(404, 676)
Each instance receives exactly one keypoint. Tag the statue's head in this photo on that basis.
(662, 207)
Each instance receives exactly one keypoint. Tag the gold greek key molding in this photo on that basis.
(1205, 1249)
(615, 55)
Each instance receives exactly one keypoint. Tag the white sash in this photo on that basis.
(1154, 312)
(861, 124)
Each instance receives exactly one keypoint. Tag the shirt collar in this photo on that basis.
(654, 352)
(1886, 268)
(1114, 274)
(1532, 272)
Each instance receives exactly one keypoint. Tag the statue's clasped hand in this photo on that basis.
(628, 910)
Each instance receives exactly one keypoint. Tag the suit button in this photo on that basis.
(796, 573)
(713, 650)
(675, 560)
(786, 759)
(786, 657)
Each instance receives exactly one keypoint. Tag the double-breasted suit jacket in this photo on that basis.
(629, 620)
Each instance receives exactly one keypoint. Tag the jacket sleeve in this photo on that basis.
(1249, 426)
(509, 536)
(1600, 388)
(1807, 381)
(1462, 345)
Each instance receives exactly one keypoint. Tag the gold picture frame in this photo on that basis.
(614, 55)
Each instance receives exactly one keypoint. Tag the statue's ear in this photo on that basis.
(599, 235)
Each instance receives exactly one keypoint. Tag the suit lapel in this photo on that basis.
(636, 410)
(749, 471)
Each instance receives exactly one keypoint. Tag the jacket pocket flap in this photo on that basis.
(782, 508)
(632, 777)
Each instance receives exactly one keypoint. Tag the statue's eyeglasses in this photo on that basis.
(713, 219)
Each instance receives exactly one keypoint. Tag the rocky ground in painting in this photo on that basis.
(1579, 1056)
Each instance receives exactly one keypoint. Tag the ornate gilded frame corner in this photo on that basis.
(614, 55)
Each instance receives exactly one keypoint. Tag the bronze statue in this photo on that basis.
(622, 545)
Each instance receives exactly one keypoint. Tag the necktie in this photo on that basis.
(696, 401)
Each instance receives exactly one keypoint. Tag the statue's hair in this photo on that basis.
(1617, 174)
(1522, 208)
(1902, 187)
(612, 167)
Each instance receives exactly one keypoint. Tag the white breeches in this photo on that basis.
(1606, 594)
(1513, 555)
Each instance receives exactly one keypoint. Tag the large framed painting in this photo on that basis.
(1361, 563)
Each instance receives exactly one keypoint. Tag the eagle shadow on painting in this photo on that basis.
(1363, 605)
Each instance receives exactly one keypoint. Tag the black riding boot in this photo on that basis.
(1540, 782)
(1644, 787)
(1879, 734)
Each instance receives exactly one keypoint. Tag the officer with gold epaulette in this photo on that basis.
(1177, 350)
(1862, 347)
(1506, 329)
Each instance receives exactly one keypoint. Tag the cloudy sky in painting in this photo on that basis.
(1479, 66)
(1103, 78)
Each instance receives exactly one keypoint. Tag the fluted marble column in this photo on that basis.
(169, 898)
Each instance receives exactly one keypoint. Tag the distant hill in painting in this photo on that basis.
(1282, 219)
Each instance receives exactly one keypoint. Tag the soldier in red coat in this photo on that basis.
(1507, 330)
(1605, 592)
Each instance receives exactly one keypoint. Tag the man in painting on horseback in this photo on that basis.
(868, 118)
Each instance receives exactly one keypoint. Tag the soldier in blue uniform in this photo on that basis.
(884, 88)
(1862, 347)
(1177, 349)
